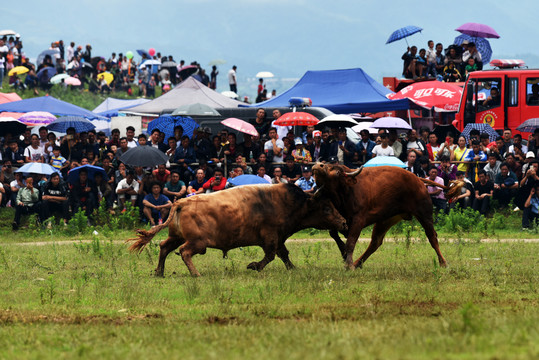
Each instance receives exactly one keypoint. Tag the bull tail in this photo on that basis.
(451, 191)
(145, 236)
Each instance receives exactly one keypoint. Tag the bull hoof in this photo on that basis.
(349, 266)
(197, 274)
(159, 274)
(253, 266)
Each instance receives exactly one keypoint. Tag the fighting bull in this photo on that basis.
(382, 196)
(263, 215)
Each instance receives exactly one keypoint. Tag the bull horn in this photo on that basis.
(354, 173)
(318, 192)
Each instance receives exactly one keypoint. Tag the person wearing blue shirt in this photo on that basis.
(306, 182)
(365, 146)
(505, 185)
(156, 205)
(532, 205)
(474, 156)
(185, 153)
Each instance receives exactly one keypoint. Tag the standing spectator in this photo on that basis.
(306, 181)
(213, 77)
(70, 52)
(54, 199)
(175, 188)
(505, 185)
(127, 187)
(216, 183)
(431, 58)
(433, 147)
(383, 149)
(414, 143)
(440, 60)
(460, 153)
(232, 81)
(124, 147)
(58, 161)
(130, 135)
(261, 172)
(15, 153)
(27, 202)
(281, 130)
(436, 193)
(156, 205)
(484, 190)
(531, 207)
(171, 151)
(83, 194)
(343, 149)
(274, 147)
(261, 125)
(34, 152)
(161, 174)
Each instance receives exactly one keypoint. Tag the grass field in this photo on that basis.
(96, 300)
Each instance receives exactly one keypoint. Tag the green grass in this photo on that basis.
(97, 300)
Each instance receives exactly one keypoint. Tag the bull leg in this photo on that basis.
(342, 247)
(282, 253)
(428, 225)
(378, 232)
(187, 251)
(351, 240)
(269, 255)
(167, 246)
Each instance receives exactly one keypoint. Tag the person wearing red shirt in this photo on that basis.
(215, 183)
(161, 174)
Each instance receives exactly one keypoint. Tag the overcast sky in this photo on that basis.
(287, 37)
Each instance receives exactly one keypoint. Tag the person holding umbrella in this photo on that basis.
(27, 202)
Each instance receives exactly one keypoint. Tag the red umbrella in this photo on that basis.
(240, 125)
(443, 97)
(296, 119)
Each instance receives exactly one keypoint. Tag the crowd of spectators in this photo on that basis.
(449, 65)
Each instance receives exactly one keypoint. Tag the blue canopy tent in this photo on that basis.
(111, 106)
(50, 104)
(341, 91)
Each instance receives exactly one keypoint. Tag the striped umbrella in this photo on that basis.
(80, 124)
(482, 45)
(483, 128)
(36, 118)
(529, 125)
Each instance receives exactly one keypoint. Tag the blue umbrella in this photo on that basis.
(402, 33)
(167, 123)
(384, 161)
(63, 123)
(36, 168)
(46, 73)
(483, 128)
(482, 45)
(529, 125)
(144, 52)
(73, 174)
(247, 179)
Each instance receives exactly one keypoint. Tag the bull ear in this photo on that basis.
(353, 173)
(318, 192)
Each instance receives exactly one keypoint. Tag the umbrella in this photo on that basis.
(73, 174)
(296, 119)
(57, 79)
(187, 71)
(46, 73)
(63, 123)
(196, 109)
(478, 30)
(442, 96)
(482, 45)
(483, 128)
(7, 32)
(18, 70)
(72, 81)
(391, 123)
(403, 33)
(35, 118)
(365, 125)
(168, 64)
(107, 76)
(51, 52)
(264, 74)
(229, 94)
(149, 62)
(384, 161)
(145, 156)
(529, 125)
(9, 125)
(337, 121)
(167, 123)
(442, 130)
(36, 168)
(217, 62)
(247, 179)
(240, 125)
(144, 52)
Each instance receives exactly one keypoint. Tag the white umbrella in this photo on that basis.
(264, 74)
(365, 125)
(57, 79)
(338, 120)
(7, 32)
(229, 94)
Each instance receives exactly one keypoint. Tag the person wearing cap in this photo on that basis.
(318, 149)
(306, 181)
(300, 154)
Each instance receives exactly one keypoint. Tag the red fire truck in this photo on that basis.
(503, 97)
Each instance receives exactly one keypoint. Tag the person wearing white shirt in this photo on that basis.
(232, 81)
(127, 187)
(383, 149)
(275, 145)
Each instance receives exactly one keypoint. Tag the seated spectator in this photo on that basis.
(14, 153)
(383, 149)
(104, 191)
(446, 170)
(344, 149)
(172, 145)
(185, 155)
(465, 199)
(54, 199)
(484, 190)
(471, 66)
(263, 161)
(531, 207)
(453, 56)
(261, 172)
(217, 182)
(175, 188)
(300, 154)
(130, 136)
(451, 74)
(411, 69)
(278, 176)
(142, 140)
(306, 181)
(2, 194)
(436, 194)
(274, 147)
(424, 166)
(196, 186)
(161, 174)
(124, 147)
(505, 185)
(27, 202)
(474, 156)
(518, 149)
(251, 148)
(83, 194)
(472, 53)
(498, 149)
(15, 185)
(534, 97)
(421, 63)
(156, 205)
(246, 169)
(34, 152)
(493, 166)
(127, 187)
(230, 150)
(493, 100)
(514, 165)
(291, 170)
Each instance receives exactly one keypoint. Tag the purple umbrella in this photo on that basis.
(389, 122)
(478, 30)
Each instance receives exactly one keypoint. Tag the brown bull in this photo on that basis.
(263, 215)
(382, 196)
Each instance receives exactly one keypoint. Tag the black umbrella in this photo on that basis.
(9, 125)
(442, 130)
(145, 156)
(187, 71)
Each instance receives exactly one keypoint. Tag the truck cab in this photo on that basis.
(502, 98)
